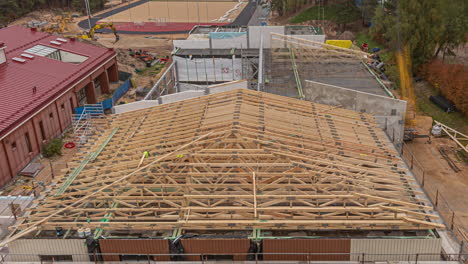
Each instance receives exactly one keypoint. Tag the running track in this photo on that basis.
(155, 29)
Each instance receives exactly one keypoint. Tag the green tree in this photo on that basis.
(368, 10)
(455, 23)
(416, 23)
(346, 12)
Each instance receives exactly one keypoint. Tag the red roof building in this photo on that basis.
(42, 79)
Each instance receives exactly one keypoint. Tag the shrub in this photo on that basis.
(54, 148)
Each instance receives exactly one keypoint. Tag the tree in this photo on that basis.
(345, 12)
(416, 23)
(367, 8)
(454, 15)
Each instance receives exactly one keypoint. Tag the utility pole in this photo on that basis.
(88, 11)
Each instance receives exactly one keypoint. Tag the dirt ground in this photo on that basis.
(24, 185)
(439, 175)
(159, 46)
(177, 12)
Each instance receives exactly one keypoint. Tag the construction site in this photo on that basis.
(210, 136)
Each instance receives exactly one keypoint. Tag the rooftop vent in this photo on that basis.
(19, 60)
(62, 40)
(2, 53)
(55, 43)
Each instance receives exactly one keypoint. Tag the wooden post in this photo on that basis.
(453, 218)
(423, 178)
(412, 161)
(417, 256)
(460, 252)
(51, 169)
(13, 210)
(437, 197)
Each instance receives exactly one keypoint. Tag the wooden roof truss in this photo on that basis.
(239, 160)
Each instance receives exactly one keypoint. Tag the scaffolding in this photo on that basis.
(86, 123)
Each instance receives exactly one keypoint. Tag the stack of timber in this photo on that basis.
(239, 160)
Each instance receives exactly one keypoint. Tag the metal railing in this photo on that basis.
(237, 257)
(442, 205)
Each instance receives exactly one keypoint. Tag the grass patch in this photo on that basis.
(313, 13)
(455, 120)
(366, 38)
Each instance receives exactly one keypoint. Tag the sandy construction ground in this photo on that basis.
(174, 12)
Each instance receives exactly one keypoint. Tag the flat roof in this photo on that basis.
(237, 160)
(33, 76)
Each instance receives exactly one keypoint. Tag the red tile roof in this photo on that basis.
(51, 77)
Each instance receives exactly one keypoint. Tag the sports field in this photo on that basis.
(179, 12)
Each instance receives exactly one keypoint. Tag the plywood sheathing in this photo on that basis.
(240, 160)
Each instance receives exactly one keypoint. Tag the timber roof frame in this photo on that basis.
(238, 160)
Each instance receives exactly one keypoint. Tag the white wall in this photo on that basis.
(192, 44)
(171, 98)
(208, 69)
(239, 42)
(255, 33)
(395, 246)
(229, 86)
(36, 247)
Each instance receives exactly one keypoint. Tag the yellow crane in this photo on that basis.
(90, 35)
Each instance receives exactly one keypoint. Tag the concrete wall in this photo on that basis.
(171, 98)
(316, 38)
(192, 44)
(389, 113)
(250, 40)
(255, 33)
(229, 86)
(36, 247)
(239, 42)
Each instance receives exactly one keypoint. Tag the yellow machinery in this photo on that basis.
(403, 57)
(59, 24)
(90, 35)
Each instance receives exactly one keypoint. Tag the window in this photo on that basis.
(62, 106)
(393, 112)
(41, 128)
(97, 86)
(13, 146)
(56, 257)
(28, 142)
(51, 115)
(82, 97)
(56, 54)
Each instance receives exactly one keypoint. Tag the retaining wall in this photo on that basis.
(389, 113)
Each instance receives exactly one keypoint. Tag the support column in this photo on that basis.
(113, 73)
(91, 93)
(104, 79)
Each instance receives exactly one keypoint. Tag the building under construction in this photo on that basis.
(237, 175)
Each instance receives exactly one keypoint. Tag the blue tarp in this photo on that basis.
(109, 103)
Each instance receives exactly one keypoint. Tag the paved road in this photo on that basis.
(260, 15)
(242, 20)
